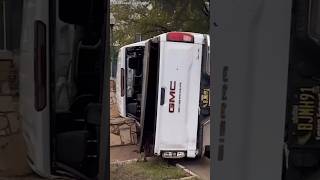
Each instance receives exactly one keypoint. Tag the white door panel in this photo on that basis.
(177, 118)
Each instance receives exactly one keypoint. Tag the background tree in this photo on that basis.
(152, 17)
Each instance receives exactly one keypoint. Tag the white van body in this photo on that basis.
(250, 66)
(35, 123)
(178, 94)
(180, 66)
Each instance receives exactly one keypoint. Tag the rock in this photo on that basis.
(125, 128)
(4, 87)
(14, 122)
(112, 86)
(7, 103)
(125, 134)
(115, 130)
(4, 70)
(4, 123)
(115, 140)
(121, 120)
(114, 112)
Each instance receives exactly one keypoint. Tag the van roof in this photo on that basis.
(193, 33)
(198, 37)
(141, 43)
(163, 35)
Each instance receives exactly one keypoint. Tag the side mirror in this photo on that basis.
(75, 11)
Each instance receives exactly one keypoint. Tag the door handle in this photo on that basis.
(162, 96)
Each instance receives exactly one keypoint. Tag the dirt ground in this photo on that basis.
(122, 153)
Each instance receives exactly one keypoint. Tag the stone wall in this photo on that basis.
(12, 147)
(123, 130)
(114, 112)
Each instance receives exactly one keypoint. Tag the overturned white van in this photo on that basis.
(164, 82)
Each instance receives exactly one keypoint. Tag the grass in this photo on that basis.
(151, 170)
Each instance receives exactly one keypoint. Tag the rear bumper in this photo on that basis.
(178, 154)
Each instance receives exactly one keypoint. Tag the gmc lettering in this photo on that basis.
(172, 96)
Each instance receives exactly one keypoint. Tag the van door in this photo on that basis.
(34, 84)
(120, 83)
(205, 105)
(149, 96)
(63, 138)
(179, 87)
(250, 64)
(78, 132)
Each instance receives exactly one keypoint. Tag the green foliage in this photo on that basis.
(155, 170)
(153, 17)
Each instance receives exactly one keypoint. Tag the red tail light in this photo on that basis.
(40, 66)
(180, 37)
(122, 82)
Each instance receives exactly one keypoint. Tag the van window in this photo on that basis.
(10, 24)
(2, 11)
